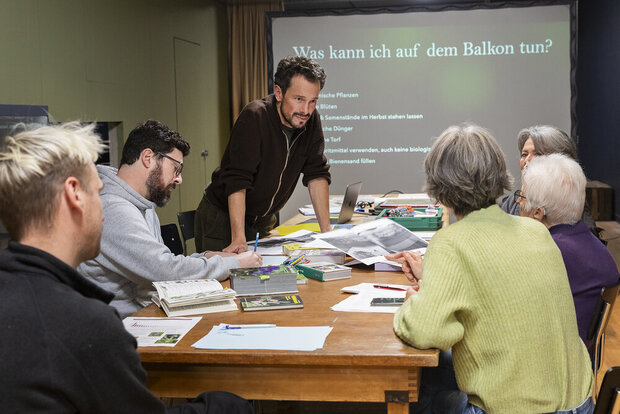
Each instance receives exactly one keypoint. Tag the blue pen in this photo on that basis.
(256, 242)
(249, 326)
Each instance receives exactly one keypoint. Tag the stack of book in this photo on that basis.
(264, 280)
(193, 297)
(314, 255)
(271, 302)
(325, 271)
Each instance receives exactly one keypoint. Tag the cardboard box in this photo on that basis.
(600, 197)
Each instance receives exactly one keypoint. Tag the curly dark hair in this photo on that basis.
(298, 65)
(154, 135)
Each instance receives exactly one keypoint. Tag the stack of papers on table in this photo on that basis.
(371, 241)
(264, 280)
(308, 210)
(159, 331)
(365, 292)
(193, 297)
(292, 338)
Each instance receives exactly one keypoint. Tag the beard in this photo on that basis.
(288, 117)
(157, 192)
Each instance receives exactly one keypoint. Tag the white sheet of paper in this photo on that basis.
(425, 235)
(274, 260)
(268, 250)
(318, 244)
(361, 302)
(369, 287)
(293, 338)
(159, 331)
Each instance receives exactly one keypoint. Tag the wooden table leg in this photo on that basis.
(397, 408)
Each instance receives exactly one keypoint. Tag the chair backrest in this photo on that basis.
(186, 224)
(598, 325)
(170, 235)
(602, 311)
(608, 401)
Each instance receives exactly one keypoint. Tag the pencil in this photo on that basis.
(256, 241)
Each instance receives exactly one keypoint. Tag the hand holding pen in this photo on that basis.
(256, 241)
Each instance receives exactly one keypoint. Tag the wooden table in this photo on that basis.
(362, 359)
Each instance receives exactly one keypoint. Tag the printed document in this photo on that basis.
(159, 331)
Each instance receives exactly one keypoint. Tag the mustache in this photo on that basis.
(301, 114)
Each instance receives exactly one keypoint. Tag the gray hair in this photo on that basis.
(34, 164)
(556, 183)
(548, 140)
(466, 169)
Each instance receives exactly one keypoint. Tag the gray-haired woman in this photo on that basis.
(494, 290)
(545, 140)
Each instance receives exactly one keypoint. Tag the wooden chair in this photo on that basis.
(609, 397)
(598, 325)
(170, 235)
(186, 224)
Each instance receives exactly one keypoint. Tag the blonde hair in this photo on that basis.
(556, 183)
(34, 164)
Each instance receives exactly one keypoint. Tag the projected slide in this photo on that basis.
(396, 80)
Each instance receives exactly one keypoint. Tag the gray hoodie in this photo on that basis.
(133, 254)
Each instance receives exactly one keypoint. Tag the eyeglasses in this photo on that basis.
(178, 169)
(518, 196)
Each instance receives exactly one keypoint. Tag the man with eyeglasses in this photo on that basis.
(133, 254)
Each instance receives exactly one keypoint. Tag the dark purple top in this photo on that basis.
(590, 267)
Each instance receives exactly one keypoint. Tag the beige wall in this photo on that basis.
(113, 60)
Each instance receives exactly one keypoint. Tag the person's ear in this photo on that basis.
(73, 193)
(540, 213)
(278, 93)
(147, 157)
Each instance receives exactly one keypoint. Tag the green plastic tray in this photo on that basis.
(417, 223)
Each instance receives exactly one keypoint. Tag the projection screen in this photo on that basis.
(396, 80)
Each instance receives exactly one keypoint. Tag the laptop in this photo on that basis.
(348, 205)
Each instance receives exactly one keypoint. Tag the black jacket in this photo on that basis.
(258, 158)
(63, 349)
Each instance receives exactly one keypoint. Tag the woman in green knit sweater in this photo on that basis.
(494, 290)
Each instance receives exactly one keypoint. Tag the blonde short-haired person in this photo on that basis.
(553, 193)
(64, 349)
(494, 290)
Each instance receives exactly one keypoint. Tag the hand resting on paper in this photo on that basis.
(412, 264)
(411, 290)
(250, 259)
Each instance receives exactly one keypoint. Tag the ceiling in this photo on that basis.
(291, 5)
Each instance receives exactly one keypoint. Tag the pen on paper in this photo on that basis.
(256, 241)
(388, 287)
(249, 326)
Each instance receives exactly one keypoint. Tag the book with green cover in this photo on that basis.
(324, 271)
(271, 302)
(263, 280)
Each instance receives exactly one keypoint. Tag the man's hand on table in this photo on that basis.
(236, 246)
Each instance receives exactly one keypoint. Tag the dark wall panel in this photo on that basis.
(598, 92)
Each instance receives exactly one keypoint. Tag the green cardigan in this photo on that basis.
(495, 290)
